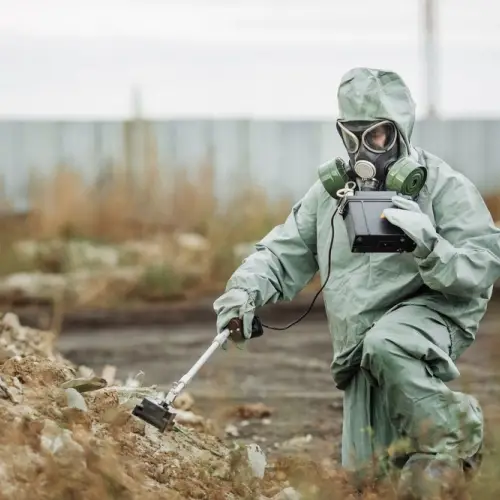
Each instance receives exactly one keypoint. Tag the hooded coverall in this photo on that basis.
(398, 321)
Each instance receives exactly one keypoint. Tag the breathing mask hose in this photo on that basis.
(298, 320)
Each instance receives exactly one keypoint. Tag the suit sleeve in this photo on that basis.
(465, 259)
(285, 259)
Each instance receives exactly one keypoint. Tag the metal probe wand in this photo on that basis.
(161, 415)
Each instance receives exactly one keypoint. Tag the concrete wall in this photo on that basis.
(280, 156)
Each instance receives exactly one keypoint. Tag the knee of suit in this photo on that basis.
(384, 359)
(377, 344)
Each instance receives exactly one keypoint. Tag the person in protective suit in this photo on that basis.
(399, 321)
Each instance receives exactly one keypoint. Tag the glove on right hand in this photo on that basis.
(235, 303)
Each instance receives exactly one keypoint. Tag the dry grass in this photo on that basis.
(493, 204)
(120, 206)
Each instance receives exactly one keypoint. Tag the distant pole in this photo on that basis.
(431, 57)
(138, 131)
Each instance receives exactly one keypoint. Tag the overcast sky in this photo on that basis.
(234, 58)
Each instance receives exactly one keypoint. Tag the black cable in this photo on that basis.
(320, 290)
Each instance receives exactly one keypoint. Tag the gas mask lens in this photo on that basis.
(380, 137)
(377, 137)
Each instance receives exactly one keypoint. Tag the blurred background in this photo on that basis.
(155, 140)
(145, 145)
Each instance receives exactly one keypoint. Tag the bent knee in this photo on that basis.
(378, 343)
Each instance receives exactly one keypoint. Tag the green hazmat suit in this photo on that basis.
(398, 321)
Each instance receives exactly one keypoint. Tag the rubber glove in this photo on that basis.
(414, 223)
(235, 303)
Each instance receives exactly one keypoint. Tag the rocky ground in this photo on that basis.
(68, 433)
(258, 423)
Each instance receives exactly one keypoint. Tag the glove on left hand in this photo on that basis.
(414, 223)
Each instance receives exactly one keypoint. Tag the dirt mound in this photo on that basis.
(64, 435)
(69, 434)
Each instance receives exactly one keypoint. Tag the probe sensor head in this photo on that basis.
(160, 416)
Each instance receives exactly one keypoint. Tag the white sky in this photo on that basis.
(234, 58)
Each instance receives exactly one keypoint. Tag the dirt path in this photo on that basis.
(288, 371)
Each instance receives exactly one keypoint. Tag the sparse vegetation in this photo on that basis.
(160, 282)
(118, 208)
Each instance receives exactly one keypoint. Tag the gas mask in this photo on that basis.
(372, 149)
(374, 161)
